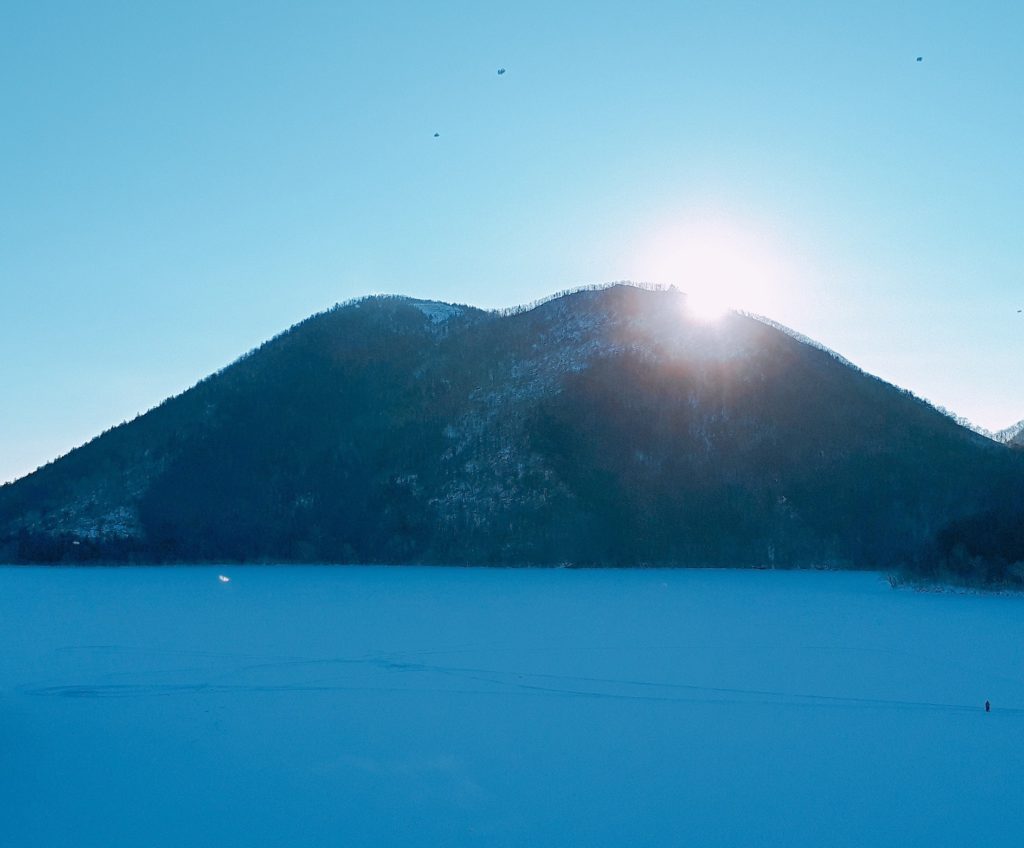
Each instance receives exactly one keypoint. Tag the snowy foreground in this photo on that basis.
(421, 707)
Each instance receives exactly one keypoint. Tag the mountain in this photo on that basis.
(1013, 435)
(601, 427)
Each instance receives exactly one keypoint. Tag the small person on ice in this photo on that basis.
(988, 706)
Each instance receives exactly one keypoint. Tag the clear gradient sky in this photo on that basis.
(180, 181)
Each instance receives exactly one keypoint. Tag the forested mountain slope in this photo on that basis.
(602, 427)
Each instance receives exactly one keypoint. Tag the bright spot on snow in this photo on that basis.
(721, 263)
(223, 578)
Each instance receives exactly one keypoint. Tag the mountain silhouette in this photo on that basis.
(601, 427)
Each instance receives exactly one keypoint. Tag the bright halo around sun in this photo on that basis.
(706, 306)
(721, 264)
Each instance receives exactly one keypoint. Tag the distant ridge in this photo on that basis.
(1012, 435)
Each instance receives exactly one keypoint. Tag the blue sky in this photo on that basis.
(179, 182)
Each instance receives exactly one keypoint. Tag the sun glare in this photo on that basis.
(721, 265)
(705, 306)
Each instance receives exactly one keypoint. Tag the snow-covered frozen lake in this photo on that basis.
(425, 707)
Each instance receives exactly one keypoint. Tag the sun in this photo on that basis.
(722, 263)
(707, 306)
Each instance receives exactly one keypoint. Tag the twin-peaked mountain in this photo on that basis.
(602, 427)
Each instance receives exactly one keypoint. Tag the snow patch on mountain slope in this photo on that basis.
(1012, 434)
(437, 312)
